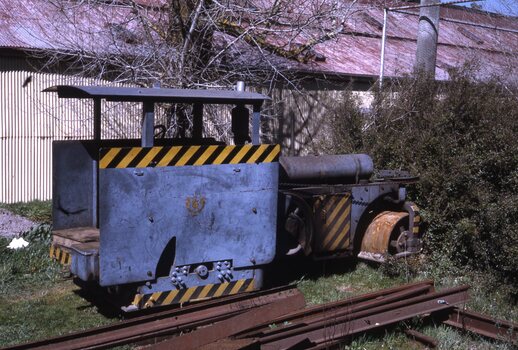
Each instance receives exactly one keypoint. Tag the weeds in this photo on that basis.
(27, 268)
(35, 302)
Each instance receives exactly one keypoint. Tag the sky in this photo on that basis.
(505, 7)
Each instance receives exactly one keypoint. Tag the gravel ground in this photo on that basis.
(12, 225)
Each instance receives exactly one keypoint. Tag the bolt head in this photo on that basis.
(202, 271)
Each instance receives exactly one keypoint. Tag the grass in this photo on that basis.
(46, 312)
(337, 279)
(36, 303)
(38, 211)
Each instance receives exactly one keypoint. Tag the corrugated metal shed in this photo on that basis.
(355, 51)
(65, 25)
(464, 34)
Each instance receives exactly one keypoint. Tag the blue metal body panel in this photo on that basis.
(72, 164)
(213, 212)
(85, 263)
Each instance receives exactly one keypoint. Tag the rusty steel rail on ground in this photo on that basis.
(424, 339)
(328, 326)
(255, 323)
(483, 325)
(277, 319)
(162, 323)
(348, 304)
(322, 325)
(233, 325)
(330, 332)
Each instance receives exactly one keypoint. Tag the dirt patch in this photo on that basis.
(12, 225)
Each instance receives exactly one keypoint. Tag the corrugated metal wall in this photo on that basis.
(30, 120)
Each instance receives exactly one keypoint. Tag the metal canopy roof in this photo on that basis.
(159, 95)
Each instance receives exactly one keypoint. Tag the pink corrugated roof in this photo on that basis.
(493, 40)
(55, 25)
(356, 51)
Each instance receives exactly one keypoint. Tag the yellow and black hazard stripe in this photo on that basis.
(60, 255)
(143, 301)
(334, 222)
(160, 156)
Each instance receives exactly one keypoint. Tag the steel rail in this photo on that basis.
(330, 332)
(232, 344)
(483, 325)
(232, 325)
(424, 339)
(160, 323)
(309, 312)
(324, 317)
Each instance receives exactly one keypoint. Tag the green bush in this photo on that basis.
(461, 137)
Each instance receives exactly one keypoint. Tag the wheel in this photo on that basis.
(386, 235)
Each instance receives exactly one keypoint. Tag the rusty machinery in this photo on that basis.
(169, 220)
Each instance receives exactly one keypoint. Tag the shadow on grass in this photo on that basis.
(109, 305)
(98, 297)
(292, 269)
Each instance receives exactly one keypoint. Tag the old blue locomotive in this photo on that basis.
(172, 220)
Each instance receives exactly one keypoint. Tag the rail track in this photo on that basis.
(279, 319)
(481, 324)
